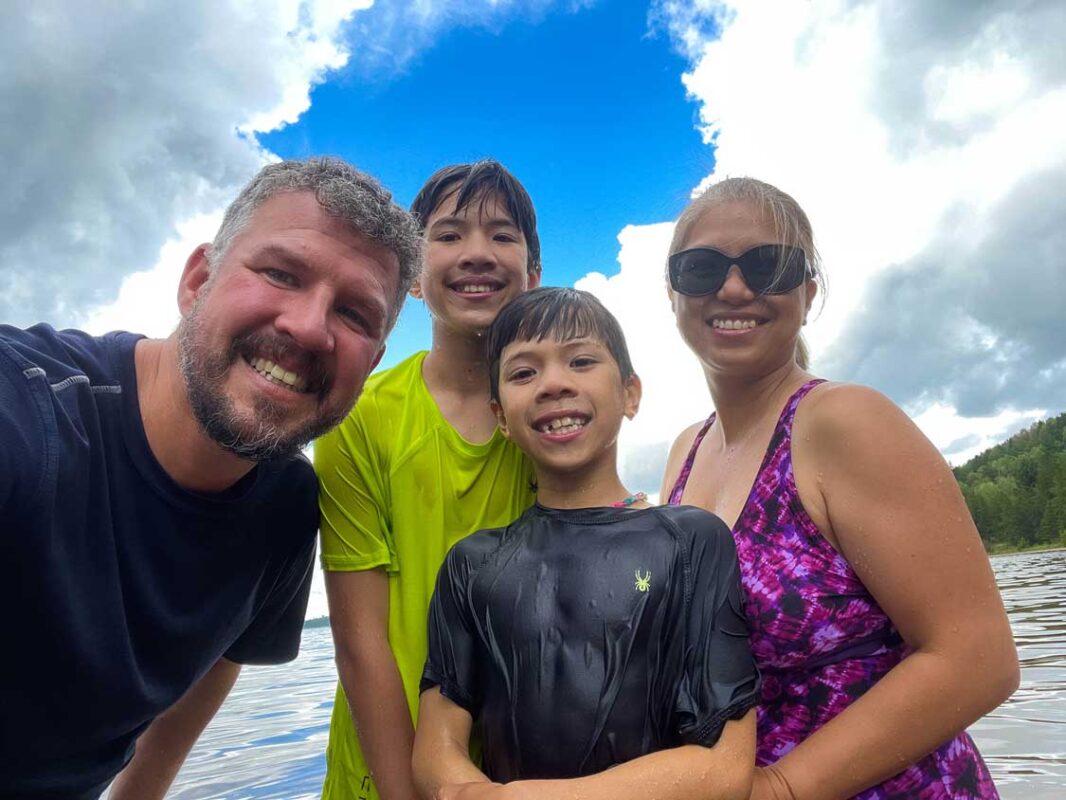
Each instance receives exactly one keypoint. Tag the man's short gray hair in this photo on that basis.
(344, 192)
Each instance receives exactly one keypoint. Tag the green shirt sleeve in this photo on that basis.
(353, 488)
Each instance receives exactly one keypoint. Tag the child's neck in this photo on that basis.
(582, 489)
(457, 377)
(456, 363)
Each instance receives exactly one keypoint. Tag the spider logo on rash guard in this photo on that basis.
(643, 583)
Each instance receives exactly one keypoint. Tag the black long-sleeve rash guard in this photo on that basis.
(580, 639)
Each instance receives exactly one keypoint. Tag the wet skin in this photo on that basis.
(476, 263)
(562, 403)
(735, 329)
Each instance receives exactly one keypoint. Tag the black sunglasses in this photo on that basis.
(767, 269)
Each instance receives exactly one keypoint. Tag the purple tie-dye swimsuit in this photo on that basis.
(818, 636)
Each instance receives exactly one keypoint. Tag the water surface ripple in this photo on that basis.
(269, 739)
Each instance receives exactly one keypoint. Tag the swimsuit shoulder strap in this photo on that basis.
(686, 468)
(784, 425)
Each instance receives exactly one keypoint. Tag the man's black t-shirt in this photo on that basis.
(120, 589)
(584, 638)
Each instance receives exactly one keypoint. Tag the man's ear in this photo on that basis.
(416, 289)
(534, 278)
(633, 390)
(501, 419)
(194, 277)
(377, 359)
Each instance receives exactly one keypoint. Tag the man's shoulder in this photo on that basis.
(61, 354)
(292, 486)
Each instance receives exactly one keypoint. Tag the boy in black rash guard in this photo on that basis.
(599, 643)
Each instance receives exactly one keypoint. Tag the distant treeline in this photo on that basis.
(1016, 490)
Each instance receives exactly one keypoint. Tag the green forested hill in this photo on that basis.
(1016, 490)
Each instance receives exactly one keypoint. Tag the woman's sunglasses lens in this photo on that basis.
(700, 273)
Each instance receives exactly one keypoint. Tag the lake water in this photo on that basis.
(269, 739)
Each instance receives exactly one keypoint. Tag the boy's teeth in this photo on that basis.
(734, 324)
(563, 425)
(476, 288)
(278, 374)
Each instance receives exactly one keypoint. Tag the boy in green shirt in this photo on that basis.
(417, 465)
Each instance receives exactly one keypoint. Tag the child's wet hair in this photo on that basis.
(558, 313)
(482, 181)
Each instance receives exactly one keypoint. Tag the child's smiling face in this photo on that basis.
(562, 403)
(476, 262)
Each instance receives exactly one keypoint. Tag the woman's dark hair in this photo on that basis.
(483, 181)
(558, 313)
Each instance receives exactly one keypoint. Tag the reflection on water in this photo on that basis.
(269, 739)
(1024, 740)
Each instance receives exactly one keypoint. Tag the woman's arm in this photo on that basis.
(441, 761)
(891, 504)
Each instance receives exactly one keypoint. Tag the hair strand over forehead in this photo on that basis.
(789, 221)
(482, 181)
(344, 192)
(558, 313)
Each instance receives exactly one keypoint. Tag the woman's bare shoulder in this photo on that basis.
(842, 407)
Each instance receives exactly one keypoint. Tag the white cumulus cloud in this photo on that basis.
(924, 141)
(123, 124)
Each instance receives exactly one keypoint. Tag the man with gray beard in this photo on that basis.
(157, 521)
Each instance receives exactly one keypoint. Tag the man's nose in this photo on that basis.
(306, 319)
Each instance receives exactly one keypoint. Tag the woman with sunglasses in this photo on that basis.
(874, 613)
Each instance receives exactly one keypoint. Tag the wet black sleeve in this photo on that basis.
(720, 680)
(452, 660)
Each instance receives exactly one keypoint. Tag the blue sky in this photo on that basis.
(585, 107)
(923, 140)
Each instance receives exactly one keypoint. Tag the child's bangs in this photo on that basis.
(561, 322)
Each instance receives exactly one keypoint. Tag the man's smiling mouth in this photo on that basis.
(278, 374)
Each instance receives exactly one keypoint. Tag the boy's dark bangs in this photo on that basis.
(561, 319)
(556, 313)
(482, 181)
(485, 187)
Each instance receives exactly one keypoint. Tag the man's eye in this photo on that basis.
(352, 316)
(505, 237)
(583, 361)
(280, 276)
(361, 321)
(525, 373)
(446, 236)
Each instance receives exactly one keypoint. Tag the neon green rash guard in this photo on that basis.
(398, 487)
